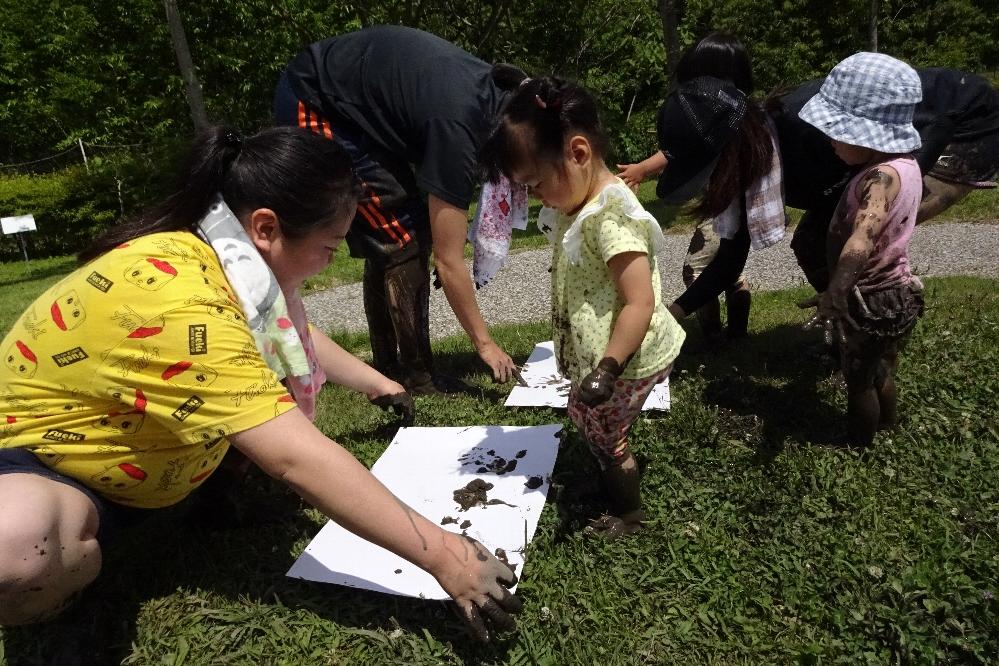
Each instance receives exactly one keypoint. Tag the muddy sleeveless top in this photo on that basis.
(888, 264)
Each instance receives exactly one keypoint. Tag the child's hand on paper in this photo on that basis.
(478, 583)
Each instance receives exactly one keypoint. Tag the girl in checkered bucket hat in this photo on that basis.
(872, 303)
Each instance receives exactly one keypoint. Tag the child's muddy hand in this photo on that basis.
(598, 386)
(478, 583)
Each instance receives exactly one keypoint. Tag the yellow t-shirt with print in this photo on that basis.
(585, 300)
(129, 373)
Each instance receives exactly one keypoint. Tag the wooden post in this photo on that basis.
(192, 85)
(875, 10)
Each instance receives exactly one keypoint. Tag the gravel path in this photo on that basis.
(521, 291)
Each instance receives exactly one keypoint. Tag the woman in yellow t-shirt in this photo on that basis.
(181, 333)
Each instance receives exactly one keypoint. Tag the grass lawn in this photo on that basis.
(762, 546)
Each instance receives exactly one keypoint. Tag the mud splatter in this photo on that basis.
(488, 461)
(534, 482)
(472, 494)
(499, 501)
(398, 571)
(447, 520)
(465, 525)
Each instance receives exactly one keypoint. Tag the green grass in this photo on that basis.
(763, 547)
(21, 283)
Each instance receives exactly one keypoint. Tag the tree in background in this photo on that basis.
(191, 84)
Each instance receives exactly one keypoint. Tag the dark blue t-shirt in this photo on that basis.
(414, 94)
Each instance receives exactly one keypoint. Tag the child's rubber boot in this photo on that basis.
(622, 484)
(709, 316)
(737, 304)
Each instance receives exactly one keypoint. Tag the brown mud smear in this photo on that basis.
(472, 494)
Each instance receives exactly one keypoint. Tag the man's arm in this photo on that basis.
(449, 227)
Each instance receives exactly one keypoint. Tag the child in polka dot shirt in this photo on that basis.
(614, 338)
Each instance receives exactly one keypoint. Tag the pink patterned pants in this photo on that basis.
(605, 427)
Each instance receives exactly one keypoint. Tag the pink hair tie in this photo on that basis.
(540, 102)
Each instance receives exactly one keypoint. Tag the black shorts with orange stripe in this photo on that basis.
(392, 210)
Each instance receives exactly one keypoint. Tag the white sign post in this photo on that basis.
(18, 224)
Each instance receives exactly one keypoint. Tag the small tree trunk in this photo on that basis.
(669, 11)
(191, 83)
(875, 10)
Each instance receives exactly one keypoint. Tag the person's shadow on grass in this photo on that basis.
(774, 386)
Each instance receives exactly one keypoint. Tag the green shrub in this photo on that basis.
(73, 205)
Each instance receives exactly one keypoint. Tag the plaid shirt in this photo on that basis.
(764, 199)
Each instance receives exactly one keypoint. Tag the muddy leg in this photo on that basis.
(384, 345)
(48, 547)
(884, 382)
(863, 412)
(407, 285)
(622, 484)
(737, 304)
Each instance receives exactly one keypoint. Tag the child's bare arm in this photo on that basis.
(878, 190)
(633, 279)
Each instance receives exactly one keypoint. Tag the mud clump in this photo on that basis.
(447, 520)
(398, 571)
(521, 453)
(465, 524)
(472, 494)
(534, 482)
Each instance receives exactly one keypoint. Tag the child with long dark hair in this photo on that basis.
(613, 337)
(746, 159)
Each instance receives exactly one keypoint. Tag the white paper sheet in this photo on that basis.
(547, 388)
(423, 467)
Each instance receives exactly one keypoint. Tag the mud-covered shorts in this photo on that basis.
(887, 314)
(974, 163)
(605, 427)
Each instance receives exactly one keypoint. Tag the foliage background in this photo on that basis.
(104, 72)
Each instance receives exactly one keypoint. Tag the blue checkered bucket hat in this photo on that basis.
(868, 100)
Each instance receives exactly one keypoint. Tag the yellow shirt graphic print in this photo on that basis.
(129, 374)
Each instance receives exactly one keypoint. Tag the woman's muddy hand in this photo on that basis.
(478, 583)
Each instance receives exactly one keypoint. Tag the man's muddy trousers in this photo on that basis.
(397, 306)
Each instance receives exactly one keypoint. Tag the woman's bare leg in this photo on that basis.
(48, 547)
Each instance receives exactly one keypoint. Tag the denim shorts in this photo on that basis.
(113, 517)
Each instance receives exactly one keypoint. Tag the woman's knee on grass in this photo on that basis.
(48, 549)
